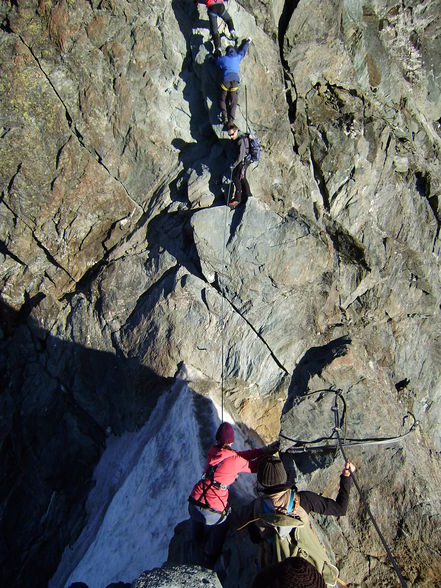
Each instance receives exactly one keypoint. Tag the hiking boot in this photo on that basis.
(233, 34)
(223, 118)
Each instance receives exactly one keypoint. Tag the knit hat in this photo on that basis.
(293, 572)
(271, 472)
(225, 434)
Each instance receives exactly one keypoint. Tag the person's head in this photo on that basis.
(293, 572)
(232, 131)
(230, 50)
(271, 474)
(225, 434)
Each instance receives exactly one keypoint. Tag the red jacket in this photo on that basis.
(233, 463)
(208, 2)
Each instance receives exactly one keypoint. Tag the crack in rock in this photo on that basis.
(75, 132)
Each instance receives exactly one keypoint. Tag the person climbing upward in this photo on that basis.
(281, 525)
(216, 9)
(240, 164)
(230, 80)
(208, 501)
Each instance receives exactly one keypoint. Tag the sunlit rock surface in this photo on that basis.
(120, 262)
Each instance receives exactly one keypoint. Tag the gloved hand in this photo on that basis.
(249, 39)
(272, 448)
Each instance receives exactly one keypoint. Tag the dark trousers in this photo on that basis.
(202, 521)
(215, 11)
(240, 182)
(228, 100)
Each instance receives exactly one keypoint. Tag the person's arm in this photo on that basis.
(241, 150)
(311, 501)
(254, 456)
(251, 453)
(248, 461)
(243, 48)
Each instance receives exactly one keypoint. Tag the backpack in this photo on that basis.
(290, 535)
(254, 149)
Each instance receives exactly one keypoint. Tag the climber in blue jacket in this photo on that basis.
(229, 66)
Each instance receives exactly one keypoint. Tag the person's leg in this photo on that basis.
(246, 192)
(217, 534)
(227, 18)
(223, 104)
(212, 17)
(233, 102)
(237, 183)
(197, 523)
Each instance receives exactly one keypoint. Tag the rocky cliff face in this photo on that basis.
(120, 262)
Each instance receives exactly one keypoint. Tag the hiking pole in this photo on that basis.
(368, 510)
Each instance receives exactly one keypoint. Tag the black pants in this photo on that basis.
(228, 100)
(215, 11)
(240, 182)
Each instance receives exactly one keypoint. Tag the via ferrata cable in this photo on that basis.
(337, 428)
(246, 110)
(223, 298)
(330, 442)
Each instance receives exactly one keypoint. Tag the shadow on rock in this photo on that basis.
(312, 364)
(59, 402)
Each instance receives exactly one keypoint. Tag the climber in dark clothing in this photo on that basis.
(229, 85)
(272, 479)
(279, 497)
(241, 149)
(216, 9)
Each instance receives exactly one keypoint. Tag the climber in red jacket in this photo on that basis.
(208, 501)
(216, 9)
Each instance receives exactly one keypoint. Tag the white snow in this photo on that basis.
(142, 485)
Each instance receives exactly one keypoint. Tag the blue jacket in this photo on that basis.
(229, 63)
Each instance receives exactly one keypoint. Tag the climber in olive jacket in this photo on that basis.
(279, 497)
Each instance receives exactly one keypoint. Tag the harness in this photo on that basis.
(202, 502)
(209, 475)
(234, 89)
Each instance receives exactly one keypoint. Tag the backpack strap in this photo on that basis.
(294, 502)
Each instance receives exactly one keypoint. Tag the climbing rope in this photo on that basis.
(364, 501)
(246, 110)
(223, 298)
